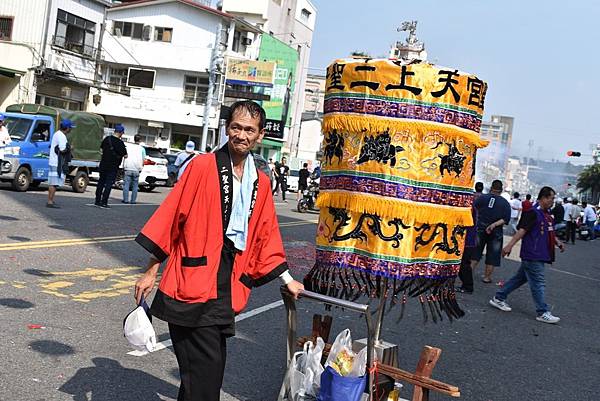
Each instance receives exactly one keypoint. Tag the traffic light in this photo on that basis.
(571, 153)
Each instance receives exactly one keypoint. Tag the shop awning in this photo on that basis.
(10, 73)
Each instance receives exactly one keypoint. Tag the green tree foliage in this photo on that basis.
(589, 178)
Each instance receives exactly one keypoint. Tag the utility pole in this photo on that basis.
(212, 78)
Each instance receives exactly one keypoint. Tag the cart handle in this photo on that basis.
(362, 308)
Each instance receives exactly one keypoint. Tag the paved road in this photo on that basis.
(71, 271)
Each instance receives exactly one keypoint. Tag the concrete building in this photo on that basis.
(310, 137)
(156, 63)
(48, 51)
(292, 22)
(492, 161)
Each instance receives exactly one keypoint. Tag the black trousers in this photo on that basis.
(283, 184)
(571, 231)
(201, 354)
(466, 273)
(105, 183)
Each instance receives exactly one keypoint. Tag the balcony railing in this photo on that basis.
(75, 47)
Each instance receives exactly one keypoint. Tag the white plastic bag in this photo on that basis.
(343, 343)
(305, 370)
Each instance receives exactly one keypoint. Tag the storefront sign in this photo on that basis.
(286, 59)
(274, 129)
(249, 72)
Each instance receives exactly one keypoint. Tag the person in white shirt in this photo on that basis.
(589, 218)
(4, 138)
(573, 214)
(132, 167)
(58, 147)
(183, 158)
(516, 206)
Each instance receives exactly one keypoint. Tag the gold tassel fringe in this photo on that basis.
(410, 212)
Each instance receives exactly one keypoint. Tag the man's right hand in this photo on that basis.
(144, 285)
(507, 250)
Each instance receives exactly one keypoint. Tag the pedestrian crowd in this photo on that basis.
(537, 225)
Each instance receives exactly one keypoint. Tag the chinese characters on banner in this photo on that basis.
(423, 82)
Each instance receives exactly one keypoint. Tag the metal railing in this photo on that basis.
(75, 47)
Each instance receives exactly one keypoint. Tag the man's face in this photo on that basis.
(243, 132)
(283, 161)
(66, 131)
(546, 202)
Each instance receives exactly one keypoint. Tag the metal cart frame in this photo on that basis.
(373, 330)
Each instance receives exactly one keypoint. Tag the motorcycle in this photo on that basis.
(309, 197)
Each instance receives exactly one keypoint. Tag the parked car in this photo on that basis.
(292, 181)
(155, 172)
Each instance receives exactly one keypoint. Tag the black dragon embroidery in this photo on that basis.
(443, 245)
(342, 218)
(474, 163)
(380, 149)
(334, 147)
(454, 161)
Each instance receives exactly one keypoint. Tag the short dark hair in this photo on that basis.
(516, 195)
(575, 201)
(528, 196)
(137, 138)
(497, 185)
(253, 108)
(479, 186)
(584, 204)
(305, 165)
(546, 192)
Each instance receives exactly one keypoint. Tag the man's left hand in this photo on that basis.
(295, 288)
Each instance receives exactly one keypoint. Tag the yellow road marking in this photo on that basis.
(66, 242)
(98, 240)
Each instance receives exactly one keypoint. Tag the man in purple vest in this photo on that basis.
(536, 228)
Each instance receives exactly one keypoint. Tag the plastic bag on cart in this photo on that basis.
(305, 371)
(343, 360)
(344, 377)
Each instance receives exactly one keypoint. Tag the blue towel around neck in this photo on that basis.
(237, 231)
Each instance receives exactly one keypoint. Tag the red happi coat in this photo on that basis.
(188, 229)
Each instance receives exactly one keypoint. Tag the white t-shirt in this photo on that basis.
(135, 158)
(514, 213)
(59, 139)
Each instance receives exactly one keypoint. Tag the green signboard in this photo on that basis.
(286, 58)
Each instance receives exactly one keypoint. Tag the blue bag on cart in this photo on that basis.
(335, 387)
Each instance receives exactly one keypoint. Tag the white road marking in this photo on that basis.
(572, 274)
(242, 316)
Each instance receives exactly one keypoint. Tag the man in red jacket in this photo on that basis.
(218, 229)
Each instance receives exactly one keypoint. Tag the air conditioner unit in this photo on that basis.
(246, 41)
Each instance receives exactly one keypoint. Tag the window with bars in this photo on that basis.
(6, 24)
(74, 33)
(117, 79)
(163, 34)
(128, 29)
(195, 89)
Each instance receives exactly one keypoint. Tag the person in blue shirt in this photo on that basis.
(493, 212)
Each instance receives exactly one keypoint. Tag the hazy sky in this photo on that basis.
(541, 58)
